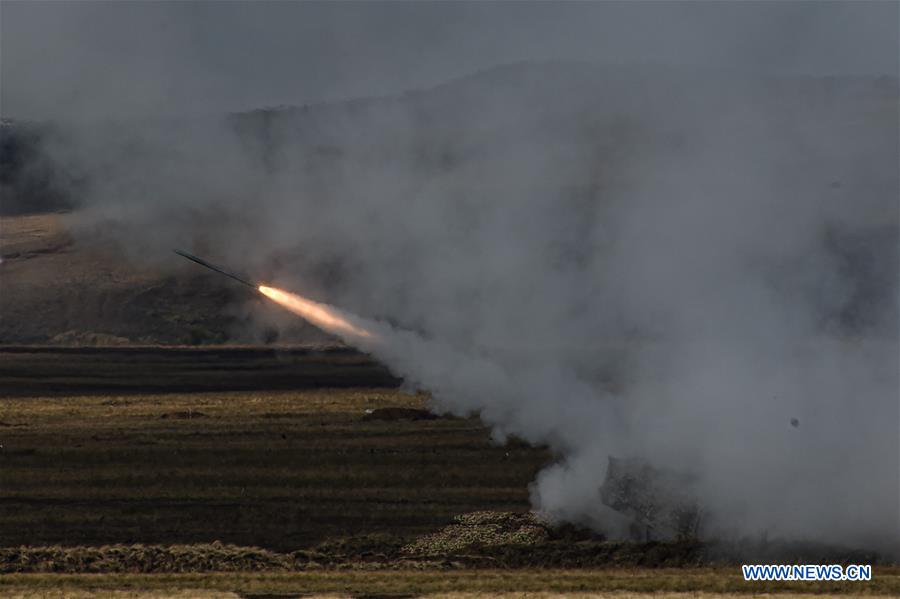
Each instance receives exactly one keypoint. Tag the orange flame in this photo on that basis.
(321, 315)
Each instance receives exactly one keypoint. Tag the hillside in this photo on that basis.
(60, 289)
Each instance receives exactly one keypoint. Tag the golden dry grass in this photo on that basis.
(613, 583)
(118, 594)
(199, 594)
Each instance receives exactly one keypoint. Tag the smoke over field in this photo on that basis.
(694, 267)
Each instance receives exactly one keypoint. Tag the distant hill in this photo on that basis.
(582, 103)
(60, 290)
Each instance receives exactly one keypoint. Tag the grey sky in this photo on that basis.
(137, 58)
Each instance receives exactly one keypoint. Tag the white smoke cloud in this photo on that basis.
(608, 261)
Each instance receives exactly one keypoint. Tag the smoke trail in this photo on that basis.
(451, 375)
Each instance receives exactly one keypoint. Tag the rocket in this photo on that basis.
(202, 262)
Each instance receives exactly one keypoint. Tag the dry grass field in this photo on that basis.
(277, 469)
(613, 584)
(222, 472)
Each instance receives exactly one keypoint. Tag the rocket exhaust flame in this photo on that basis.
(323, 316)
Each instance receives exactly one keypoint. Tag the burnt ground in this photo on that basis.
(72, 371)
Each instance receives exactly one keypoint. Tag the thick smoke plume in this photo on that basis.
(697, 268)
(661, 264)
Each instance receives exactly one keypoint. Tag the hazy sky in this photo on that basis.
(134, 58)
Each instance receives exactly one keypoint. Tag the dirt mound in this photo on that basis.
(214, 557)
(482, 529)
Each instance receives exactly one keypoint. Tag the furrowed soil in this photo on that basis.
(273, 468)
(30, 370)
(277, 472)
